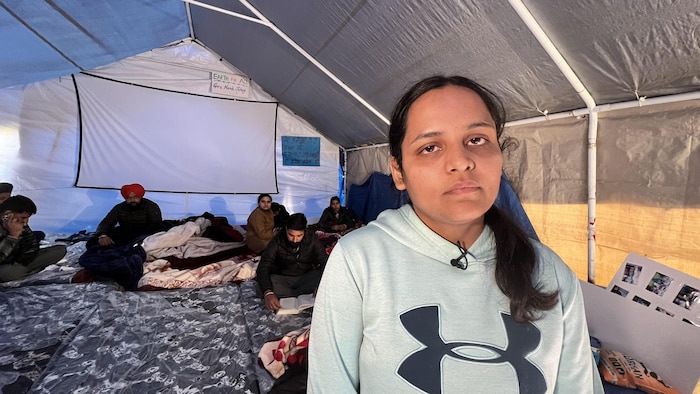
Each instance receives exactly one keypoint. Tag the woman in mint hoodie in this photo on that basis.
(447, 294)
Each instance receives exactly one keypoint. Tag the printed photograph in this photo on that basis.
(641, 300)
(631, 274)
(619, 291)
(690, 322)
(662, 310)
(659, 283)
(688, 298)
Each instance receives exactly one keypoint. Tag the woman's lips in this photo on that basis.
(463, 188)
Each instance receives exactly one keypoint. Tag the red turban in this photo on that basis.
(133, 188)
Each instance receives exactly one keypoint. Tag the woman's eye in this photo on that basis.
(477, 141)
(429, 148)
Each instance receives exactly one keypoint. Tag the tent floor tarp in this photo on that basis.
(59, 336)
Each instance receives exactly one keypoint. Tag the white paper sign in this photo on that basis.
(230, 85)
(661, 288)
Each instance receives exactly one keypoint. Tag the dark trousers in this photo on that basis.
(45, 258)
(119, 235)
(292, 286)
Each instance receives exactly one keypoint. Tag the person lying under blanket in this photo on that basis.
(124, 264)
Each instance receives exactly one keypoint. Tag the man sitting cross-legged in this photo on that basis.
(292, 263)
(20, 255)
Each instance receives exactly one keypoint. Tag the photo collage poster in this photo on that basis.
(659, 287)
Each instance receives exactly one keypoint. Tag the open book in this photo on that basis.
(294, 305)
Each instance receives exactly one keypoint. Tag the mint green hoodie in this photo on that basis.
(393, 315)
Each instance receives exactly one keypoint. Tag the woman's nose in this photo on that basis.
(460, 159)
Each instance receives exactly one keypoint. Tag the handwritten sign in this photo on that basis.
(230, 85)
(301, 151)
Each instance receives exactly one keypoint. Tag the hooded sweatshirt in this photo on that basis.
(393, 314)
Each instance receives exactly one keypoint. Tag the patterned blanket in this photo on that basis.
(158, 274)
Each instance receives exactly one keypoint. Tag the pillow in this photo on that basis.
(621, 370)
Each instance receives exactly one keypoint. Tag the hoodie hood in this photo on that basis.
(425, 241)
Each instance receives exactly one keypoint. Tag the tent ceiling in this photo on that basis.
(54, 38)
(618, 49)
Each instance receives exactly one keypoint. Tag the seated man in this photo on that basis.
(5, 193)
(136, 216)
(20, 255)
(292, 263)
(336, 218)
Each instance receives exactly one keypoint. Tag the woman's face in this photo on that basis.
(265, 203)
(452, 162)
(335, 205)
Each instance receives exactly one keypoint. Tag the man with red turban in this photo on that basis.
(136, 216)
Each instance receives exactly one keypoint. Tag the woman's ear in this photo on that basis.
(397, 174)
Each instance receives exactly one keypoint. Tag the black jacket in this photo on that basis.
(329, 219)
(279, 257)
(18, 251)
(144, 219)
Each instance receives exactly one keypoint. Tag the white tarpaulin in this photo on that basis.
(199, 144)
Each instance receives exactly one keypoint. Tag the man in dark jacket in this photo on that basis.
(135, 217)
(292, 263)
(20, 255)
(5, 193)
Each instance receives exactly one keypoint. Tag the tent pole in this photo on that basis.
(674, 98)
(552, 51)
(189, 19)
(576, 83)
(592, 190)
(315, 62)
(227, 12)
(345, 175)
(365, 147)
(261, 19)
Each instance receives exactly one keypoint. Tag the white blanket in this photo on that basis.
(184, 241)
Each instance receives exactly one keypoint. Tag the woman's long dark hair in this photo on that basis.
(516, 259)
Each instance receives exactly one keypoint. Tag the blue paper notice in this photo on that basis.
(301, 151)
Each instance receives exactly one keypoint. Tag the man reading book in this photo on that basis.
(292, 263)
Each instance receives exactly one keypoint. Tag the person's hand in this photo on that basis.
(272, 302)
(105, 240)
(13, 225)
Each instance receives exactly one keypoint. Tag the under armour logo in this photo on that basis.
(422, 368)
